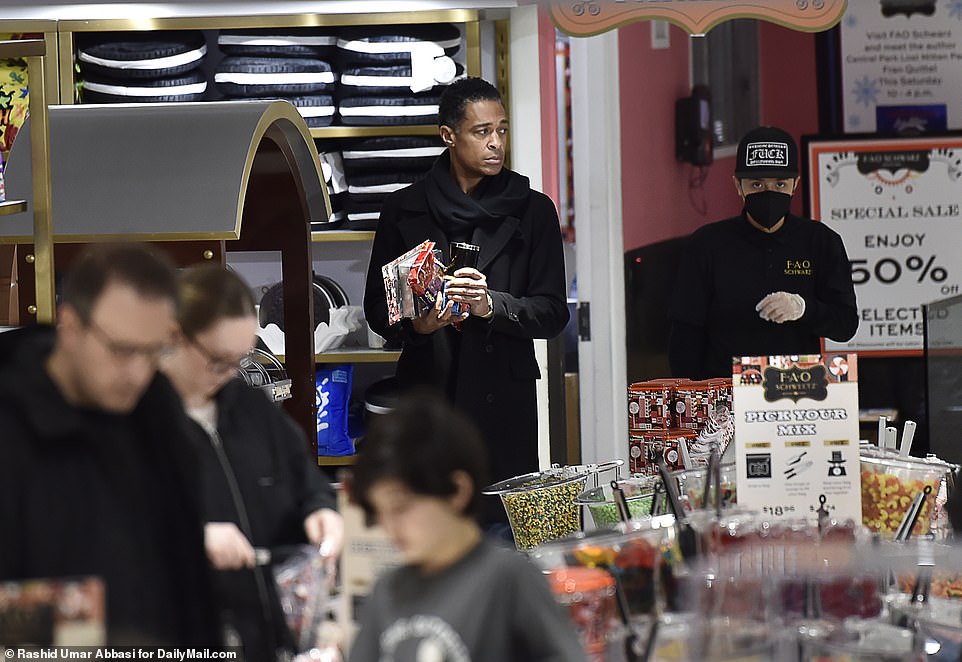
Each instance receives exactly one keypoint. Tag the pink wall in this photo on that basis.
(549, 114)
(658, 202)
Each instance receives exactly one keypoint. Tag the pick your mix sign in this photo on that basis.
(796, 436)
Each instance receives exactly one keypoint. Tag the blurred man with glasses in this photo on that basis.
(98, 470)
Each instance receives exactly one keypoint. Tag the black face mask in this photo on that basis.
(767, 207)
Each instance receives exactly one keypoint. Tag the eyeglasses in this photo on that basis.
(125, 351)
(220, 365)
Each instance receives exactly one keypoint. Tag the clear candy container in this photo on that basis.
(540, 505)
(889, 484)
(600, 501)
(691, 486)
(588, 594)
(640, 556)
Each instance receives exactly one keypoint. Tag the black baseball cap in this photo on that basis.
(767, 152)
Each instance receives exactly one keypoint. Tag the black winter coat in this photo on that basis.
(279, 486)
(89, 493)
(488, 368)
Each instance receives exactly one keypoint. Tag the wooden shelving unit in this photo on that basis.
(355, 355)
(62, 47)
(373, 131)
(341, 235)
(335, 461)
(12, 207)
(34, 51)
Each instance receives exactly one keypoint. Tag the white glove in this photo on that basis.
(781, 307)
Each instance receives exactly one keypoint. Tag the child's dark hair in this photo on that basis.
(420, 443)
(459, 94)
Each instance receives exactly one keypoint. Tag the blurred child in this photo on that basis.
(459, 596)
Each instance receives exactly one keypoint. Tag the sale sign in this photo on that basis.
(796, 436)
(897, 204)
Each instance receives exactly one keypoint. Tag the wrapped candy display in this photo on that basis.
(679, 421)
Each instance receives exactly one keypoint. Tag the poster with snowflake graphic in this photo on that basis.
(902, 66)
(897, 203)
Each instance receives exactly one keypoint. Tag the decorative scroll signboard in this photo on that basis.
(583, 18)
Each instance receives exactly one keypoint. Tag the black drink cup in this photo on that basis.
(463, 255)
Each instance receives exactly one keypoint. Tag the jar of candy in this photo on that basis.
(588, 594)
(889, 484)
(540, 505)
(600, 501)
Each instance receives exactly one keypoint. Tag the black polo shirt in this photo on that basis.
(729, 266)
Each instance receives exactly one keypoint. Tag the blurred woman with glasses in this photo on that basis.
(261, 489)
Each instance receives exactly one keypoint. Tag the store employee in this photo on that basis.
(765, 282)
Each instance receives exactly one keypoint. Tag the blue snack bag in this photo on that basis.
(332, 393)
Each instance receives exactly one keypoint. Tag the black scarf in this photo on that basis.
(458, 213)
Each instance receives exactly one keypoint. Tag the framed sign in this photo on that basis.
(900, 66)
(796, 435)
(897, 203)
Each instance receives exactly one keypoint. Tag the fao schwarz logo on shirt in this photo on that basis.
(798, 268)
(767, 154)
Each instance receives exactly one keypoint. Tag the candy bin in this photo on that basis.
(857, 640)
(852, 592)
(939, 525)
(691, 486)
(937, 621)
(600, 501)
(588, 594)
(540, 505)
(639, 555)
(889, 484)
(647, 565)
(690, 637)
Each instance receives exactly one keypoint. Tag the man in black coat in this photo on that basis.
(486, 362)
(98, 469)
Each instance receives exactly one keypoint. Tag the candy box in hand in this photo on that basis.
(396, 275)
(426, 278)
